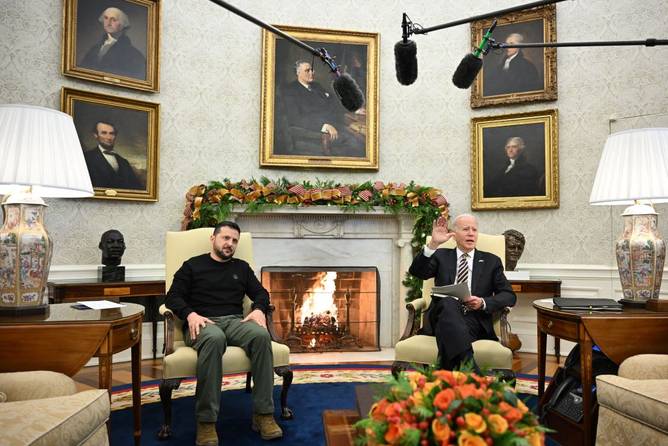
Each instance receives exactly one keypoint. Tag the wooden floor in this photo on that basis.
(526, 363)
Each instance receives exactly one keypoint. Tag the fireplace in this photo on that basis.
(325, 308)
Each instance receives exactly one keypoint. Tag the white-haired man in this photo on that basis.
(114, 53)
(516, 177)
(457, 326)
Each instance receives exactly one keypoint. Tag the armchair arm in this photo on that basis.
(270, 324)
(415, 309)
(645, 366)
(169, 328)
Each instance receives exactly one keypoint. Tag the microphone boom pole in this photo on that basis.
(646, 42)
(349, 93)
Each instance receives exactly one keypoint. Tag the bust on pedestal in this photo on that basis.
(112, 245)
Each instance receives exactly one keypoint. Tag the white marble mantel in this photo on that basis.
(328, 236)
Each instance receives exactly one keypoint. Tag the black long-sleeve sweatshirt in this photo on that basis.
(212, 288)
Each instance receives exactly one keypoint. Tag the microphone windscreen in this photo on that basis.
(405, 62)
(349, 92)
(467, 70)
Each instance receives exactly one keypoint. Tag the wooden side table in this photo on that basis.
(64, 339)
(539, 289)
(148, 291)
(619, 335)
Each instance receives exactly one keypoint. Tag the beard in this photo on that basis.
(220, 253)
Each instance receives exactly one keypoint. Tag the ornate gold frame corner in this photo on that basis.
(549, 118)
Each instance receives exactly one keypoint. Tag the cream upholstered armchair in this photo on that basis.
(180, 361)
(633, 405)
(44, 408)
(416, 348)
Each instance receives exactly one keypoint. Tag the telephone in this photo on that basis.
(567, 399)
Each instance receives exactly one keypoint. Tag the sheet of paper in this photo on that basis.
(100, 304)
(459, 291)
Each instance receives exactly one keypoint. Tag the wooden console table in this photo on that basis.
(619, 335)
(64, 339)
(539, 289)
(150, 292)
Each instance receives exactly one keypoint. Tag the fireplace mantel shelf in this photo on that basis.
(317, 210)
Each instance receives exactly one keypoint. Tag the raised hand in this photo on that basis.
(440, 233)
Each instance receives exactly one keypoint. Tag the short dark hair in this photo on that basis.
(103, 121)
(226, 224)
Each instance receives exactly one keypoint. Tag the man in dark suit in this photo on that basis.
(315, 114)
(114, 53)
(458, 325)
(515, 73)
(107, 168)
(516, 177)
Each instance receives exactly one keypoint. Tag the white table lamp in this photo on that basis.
(40, 156)
(634, 171)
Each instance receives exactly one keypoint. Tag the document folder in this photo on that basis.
(573, 303)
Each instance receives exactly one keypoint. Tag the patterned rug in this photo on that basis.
(307, 374)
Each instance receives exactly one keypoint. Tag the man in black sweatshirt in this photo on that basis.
(208, 292)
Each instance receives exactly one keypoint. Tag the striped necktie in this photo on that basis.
(463, 269)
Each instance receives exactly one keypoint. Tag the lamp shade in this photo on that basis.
(633, 166)
(39, 147)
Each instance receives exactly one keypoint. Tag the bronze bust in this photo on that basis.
(112, 245)
(515, 242)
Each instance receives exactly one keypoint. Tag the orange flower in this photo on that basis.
(512, 414)
(467, 390)
(441, 431)
(468, 439)
(394, 432)
(444, 398)
(377, 411)
(460, 377)
(497, 424)
(446, 376)
(475, 422)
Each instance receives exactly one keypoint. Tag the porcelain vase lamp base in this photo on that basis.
(640, 256)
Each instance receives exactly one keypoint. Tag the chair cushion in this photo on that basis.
(645, 401)
(422, 349)
(20, 386)
(71, 419)
(183, 362)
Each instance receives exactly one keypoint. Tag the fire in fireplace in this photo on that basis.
(325, 309)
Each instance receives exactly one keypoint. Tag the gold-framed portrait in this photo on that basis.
(115, 42)
(119, 138)
(515, 161)
(513, 75)
(303, 123)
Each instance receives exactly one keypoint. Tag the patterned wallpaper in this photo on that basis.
(210, 109)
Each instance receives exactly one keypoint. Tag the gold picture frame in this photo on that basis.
(291, 136)
(129, 59)
(529, 76)
(127, 128)
(531, 140)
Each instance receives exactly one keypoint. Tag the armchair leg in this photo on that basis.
(398, 367)
(285, 373)
(248, 382)
(166, 387)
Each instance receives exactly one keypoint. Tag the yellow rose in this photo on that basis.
(522, 407)
(497, 423)
(468, 439)
(475, 422)
(441, 431)
(536, 438)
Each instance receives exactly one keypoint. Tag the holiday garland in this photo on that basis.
(207, 205)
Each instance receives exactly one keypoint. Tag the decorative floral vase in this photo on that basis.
(25, 257)
(640, 256)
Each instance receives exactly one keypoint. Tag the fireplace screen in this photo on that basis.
(325, 308)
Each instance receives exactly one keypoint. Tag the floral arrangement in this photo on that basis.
(442, 407)
(207, 205)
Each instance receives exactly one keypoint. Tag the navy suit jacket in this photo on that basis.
(487, 280)
(103, 175)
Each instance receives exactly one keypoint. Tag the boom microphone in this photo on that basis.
(471, 64)
(405, 56)
(349, 93)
